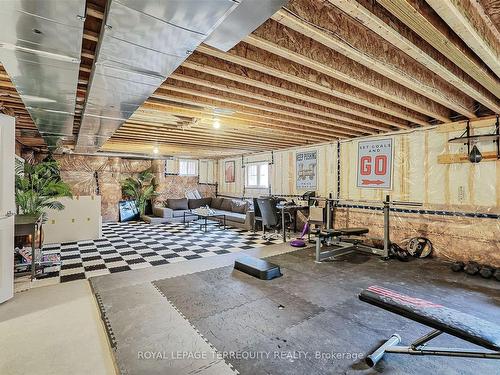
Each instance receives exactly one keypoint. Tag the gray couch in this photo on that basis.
(238, 212)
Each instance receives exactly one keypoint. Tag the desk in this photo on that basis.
(290, 208)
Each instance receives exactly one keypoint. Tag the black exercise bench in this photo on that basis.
(339, 243)
(438, 317)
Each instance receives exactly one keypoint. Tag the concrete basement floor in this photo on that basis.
(160, 322)
(203, 306)
(54, 330)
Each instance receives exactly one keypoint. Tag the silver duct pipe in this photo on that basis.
(142, 43)
(40, 47)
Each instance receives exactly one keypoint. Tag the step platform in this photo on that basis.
(258, 268)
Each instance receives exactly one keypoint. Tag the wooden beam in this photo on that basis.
(254, 58)
(94, 11)
(377, 19)
(166, 149)
(358, 57)
(202, 79)
(236, 119)
(90, 35)
(227, 126)
(265, 117)
(422, 20)
(225, 130)
(204, 142)
(464, 158)
(224, 69)
(220, 137)
(467, 23)
(228, 97)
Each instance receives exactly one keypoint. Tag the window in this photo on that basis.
(257, 175)
(187, 167)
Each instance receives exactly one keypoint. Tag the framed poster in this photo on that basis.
(375, 164)
(306, 170)
(229, 176)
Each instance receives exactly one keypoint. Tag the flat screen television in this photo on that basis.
(128, 211)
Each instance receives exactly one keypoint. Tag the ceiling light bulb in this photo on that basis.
(216, 124)
(155, 150)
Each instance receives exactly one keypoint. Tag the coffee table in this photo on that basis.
(205, 220)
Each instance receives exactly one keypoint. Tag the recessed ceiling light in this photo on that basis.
(155, 150)
(216, 124)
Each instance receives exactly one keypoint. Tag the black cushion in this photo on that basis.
(353, 231)
(197, 203)
(216, 203)
(178, 204)
(227, 204)
(467, 327)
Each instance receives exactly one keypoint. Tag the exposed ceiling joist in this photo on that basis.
(467, 23)
(393, 74)
(378, 20)
(265, 62)
(423, 21)
(227, 70)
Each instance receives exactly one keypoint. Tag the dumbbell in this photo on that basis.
(486, 271)
(472, 268)
(457, 266)
(496, 274)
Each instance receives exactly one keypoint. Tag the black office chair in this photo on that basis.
(257, 214)
(270, 218)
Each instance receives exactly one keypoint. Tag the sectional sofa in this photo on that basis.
(238, 212)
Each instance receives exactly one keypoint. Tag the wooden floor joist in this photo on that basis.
(373, 16)
(236, 118)
(467, 23)
(392, 74)
(262, 116)
(224, 69)
(205, 80)
(251, 57)
(427, 25)
(340, 126)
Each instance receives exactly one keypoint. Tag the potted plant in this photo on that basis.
(38, 186)
(140, 188)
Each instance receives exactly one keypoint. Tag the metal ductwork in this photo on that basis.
(142, 43)
(242, 21)
(40, 47)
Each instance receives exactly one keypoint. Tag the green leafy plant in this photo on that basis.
(37, 188)
(141, 188)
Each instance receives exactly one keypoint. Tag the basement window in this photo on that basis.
(187, 167)
(257, 175)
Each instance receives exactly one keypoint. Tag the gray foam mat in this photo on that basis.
(322, 316)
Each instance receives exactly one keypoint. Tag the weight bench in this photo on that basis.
(337, 243)
(438, 317)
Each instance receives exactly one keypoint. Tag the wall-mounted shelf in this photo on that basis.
(466, 138)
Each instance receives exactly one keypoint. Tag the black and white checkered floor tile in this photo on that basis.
(128, 246)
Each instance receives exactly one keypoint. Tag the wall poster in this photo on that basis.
(229, 171)
(306, 169)
(375, 164)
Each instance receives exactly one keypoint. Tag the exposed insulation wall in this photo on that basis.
(422, 173)
(282, 172)
(80, 173)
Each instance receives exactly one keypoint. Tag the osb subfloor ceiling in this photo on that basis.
(316, 71)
